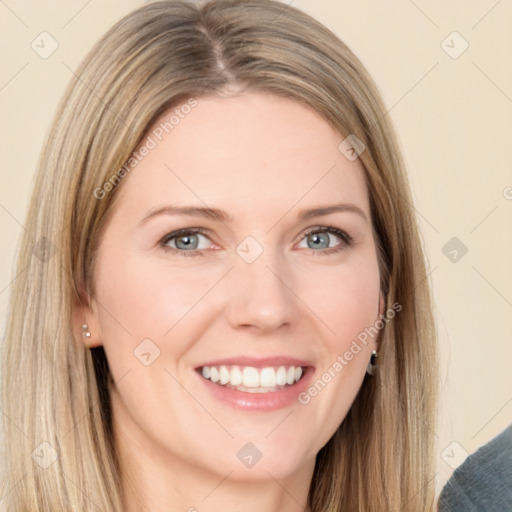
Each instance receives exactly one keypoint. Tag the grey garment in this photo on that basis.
(483, 482)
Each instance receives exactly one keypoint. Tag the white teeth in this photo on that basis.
(253, 380)
(250, 377)
(214, 374)
(223, 375)
(235, 377)
(280, 376)
(268, 377)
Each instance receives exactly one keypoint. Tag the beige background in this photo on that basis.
(454, 118)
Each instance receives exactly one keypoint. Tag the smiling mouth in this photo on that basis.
(253, 380)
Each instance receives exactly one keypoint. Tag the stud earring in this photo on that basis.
(372, 365)
(85, 330)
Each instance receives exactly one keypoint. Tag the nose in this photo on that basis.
(260, 296)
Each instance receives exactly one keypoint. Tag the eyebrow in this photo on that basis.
(222, 216)
(326, 210)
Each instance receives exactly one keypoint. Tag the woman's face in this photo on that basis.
(267, 287)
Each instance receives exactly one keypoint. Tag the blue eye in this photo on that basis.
(321, 237)
(185, 240)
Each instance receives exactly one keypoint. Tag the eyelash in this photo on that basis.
(347, 240)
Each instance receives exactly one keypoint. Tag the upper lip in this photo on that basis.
(258, 362)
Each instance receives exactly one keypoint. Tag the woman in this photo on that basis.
(188, 346)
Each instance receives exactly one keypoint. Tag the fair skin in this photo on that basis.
(261, 159)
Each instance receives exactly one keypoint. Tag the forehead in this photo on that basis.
(253, 151)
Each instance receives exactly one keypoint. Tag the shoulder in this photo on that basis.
(483, 482)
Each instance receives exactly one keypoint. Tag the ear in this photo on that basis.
(85, 313)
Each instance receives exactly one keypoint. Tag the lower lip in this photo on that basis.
(271, 401)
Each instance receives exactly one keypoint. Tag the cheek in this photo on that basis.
(145, 298)
(345, 299)
(347, 307)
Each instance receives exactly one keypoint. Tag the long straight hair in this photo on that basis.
(60, 453)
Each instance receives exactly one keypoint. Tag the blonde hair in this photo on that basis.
(56, 391)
